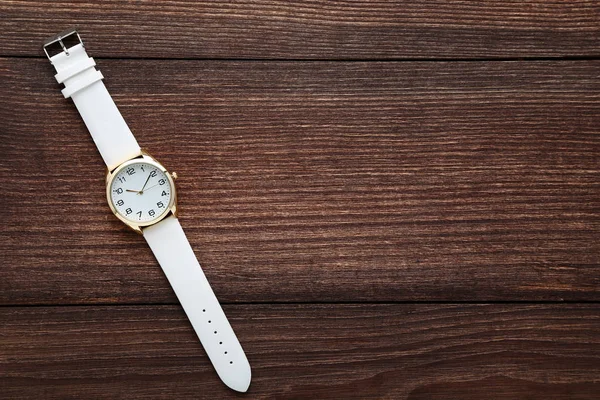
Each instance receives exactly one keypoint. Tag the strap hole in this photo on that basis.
(203, 310)
(209, 321)
(225, 352)
(230, 362)
(220, 342)
(215, 332)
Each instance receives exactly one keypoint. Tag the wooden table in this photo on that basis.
(393, 200)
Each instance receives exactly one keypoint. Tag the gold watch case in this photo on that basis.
(171, 209)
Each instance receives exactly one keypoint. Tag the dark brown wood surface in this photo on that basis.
(308, 352)
(340, 181)
(321, 29)
(447, 209)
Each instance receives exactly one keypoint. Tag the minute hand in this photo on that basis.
(145, 183)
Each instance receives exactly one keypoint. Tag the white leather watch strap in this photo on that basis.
(116, 143)
(83, 83)
(176, 257)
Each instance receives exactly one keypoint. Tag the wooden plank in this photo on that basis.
(307, 351)
(320, 181)
(309, 29)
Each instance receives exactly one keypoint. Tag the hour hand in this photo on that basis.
(134, 191)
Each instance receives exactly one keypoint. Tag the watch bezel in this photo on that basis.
(171, 209)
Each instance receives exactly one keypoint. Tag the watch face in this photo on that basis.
(141, 192)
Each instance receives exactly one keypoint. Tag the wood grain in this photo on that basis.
(309, 29)
(321, 181)
(307, 352)
(317, 164)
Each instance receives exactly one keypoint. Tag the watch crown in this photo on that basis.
(174, 175)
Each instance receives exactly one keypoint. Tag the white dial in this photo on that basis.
(141, 192)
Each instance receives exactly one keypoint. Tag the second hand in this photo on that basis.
(153, 186)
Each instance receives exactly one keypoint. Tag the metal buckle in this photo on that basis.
(59, 38)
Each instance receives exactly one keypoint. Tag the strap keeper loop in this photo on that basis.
(82, 83)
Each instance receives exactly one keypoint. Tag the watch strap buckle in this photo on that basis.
(70, 37)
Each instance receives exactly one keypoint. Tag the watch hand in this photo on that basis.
(145, 183)
(134, 191)
(152, 186)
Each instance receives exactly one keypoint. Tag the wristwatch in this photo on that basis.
(141, 193)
